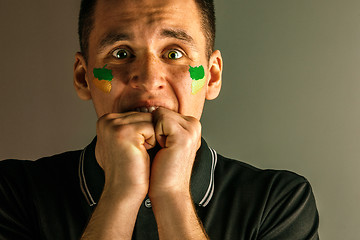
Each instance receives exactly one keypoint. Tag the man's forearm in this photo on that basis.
(113, 218)
(177, 219)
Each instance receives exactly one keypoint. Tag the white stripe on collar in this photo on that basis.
(210, 191)
(203, 203)
(83, 185)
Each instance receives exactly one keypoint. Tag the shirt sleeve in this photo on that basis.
(291, 212)
(14, 204)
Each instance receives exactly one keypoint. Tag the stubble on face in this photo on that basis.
(147, 26)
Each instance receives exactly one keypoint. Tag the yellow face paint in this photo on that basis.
(197, 75)
(103, 78)
(103, 85)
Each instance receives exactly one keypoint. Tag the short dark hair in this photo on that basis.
(86, 24)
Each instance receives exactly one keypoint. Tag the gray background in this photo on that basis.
(290, 97)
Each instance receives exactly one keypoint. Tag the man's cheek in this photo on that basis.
(103, 79)
(197, 74)
(179, 78)
(115, 76)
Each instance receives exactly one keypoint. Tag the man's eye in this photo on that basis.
(174, 54)
(121, 54)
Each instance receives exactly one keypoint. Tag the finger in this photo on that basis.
(150, 140)
(115, 115)
(121, 115)
(177, 117)
(144, 132)
(173, 128)
(134, 117)
(159, 134)
(125, 118)
(166, 126)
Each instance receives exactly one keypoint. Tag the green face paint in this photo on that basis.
(197, 73)
(104, 77)
(103, 73)
(198, 76)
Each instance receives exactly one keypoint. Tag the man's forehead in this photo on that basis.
(112, 37)
(149, 13)
(122, 22)
(135, 9)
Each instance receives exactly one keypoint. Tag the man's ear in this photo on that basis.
(215, 77)
(81, 83)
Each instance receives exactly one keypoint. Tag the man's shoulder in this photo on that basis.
(46, 181)
(34, 193)
(41, 162)
(248, 177)
(49, 166)
(274, 204)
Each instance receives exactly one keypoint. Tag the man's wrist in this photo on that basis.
(124, 194)
(175, 197)
(176, 216)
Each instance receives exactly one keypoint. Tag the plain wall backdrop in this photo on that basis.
(290, 96)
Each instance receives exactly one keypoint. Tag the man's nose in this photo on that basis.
(148, 74)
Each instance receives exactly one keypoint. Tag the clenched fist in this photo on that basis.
(121, 150)
(179, 137)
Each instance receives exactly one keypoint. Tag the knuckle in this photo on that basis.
(106, 116)
(123, 130)
(194, 125)
(132, 131)
(104, 119)
(161, 116)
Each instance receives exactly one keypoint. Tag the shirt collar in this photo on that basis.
(92, 176)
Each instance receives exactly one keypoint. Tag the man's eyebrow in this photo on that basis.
(112, 38)
(178, 34)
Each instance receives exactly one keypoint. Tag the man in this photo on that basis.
(148, 67)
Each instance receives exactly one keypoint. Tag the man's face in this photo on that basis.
(149, 45)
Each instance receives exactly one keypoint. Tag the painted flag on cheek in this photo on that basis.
(103, 78)
(197, 75)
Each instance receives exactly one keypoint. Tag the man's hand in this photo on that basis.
(122, 141)
(179, 137)
(121, 150)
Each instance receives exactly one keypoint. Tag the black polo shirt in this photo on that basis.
(54, 197)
